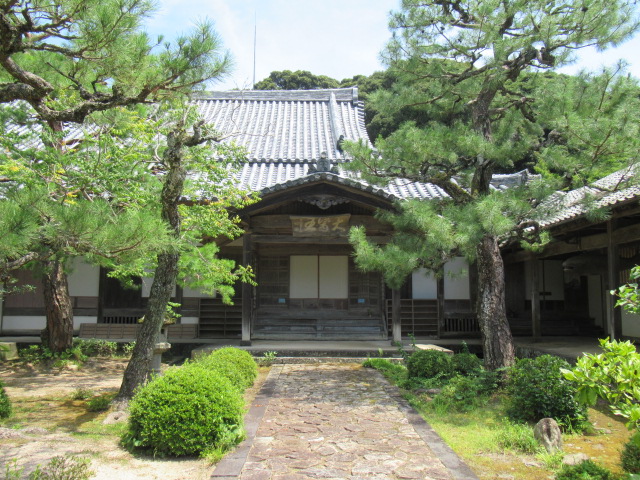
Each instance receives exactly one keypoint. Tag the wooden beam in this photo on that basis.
(281, 224)
(247, 291)
(584, 244)
(534, 275)
(396, 317)
(290, 239)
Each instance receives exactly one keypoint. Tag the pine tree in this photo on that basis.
(64, 62)
(469, 67)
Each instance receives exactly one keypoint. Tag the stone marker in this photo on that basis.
(548, 434)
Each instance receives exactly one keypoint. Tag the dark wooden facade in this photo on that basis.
(310, 222)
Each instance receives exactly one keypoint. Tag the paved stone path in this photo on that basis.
(330, 422)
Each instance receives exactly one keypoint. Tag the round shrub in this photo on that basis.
(186, 411)
(237, 365)
(631, 454)
(466, 363)
(5, 404)
(537, 389)
(429, 364)
(586, 470)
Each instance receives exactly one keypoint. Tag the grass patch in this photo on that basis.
(491, 444)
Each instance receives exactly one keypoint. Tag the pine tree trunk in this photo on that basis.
(497, 340)
(139, 368)
(58, 334)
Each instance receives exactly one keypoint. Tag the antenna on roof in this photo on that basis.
(255, 35)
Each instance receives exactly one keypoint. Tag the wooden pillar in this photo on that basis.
(396, 320)
(614, 314)
(536, 325)
(247, 291)
(440, 300)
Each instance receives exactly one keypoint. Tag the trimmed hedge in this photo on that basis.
(235, 364)
(186, 411)
(466, 363)
(429, 364)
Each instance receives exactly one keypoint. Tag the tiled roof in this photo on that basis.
(614, 189)
(287, 131)
(294, 126)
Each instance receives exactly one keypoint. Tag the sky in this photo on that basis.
(337, 38)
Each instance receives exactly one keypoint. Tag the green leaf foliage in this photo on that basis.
(430, 364)
(298, 80)
(611, 375)
(233, 363)
(5, 403)
(630, 456)
(628, 294)
(537, 389)
(584, 470)
(185, 412)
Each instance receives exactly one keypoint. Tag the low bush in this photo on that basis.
(127, 348)
(235, 364)
(58, 468)
(466, 363)
(630, 456)
(100, 403)
(35, 354)
(40, 354)
(81, 394)
(5, 404)
(586, 470)
(94, 347)
(462, 394)
(517, 437)
(393, 371)
(187, 411)
(537, 389)
(429, 364)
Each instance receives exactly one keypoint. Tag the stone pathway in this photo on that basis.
(330, 422)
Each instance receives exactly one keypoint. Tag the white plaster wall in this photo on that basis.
(456, 279)
(630, 324)
(596, 311)
(424, 285)
(334, 276)
(552, 282)
(84, 279)
(36, 323)
(303, 276)
(14, 322)
(189, 320)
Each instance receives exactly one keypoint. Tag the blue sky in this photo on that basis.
(337, 38)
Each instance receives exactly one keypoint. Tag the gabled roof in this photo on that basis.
(287, 132)
(614, 189)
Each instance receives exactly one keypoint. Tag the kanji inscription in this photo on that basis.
(328, 226)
